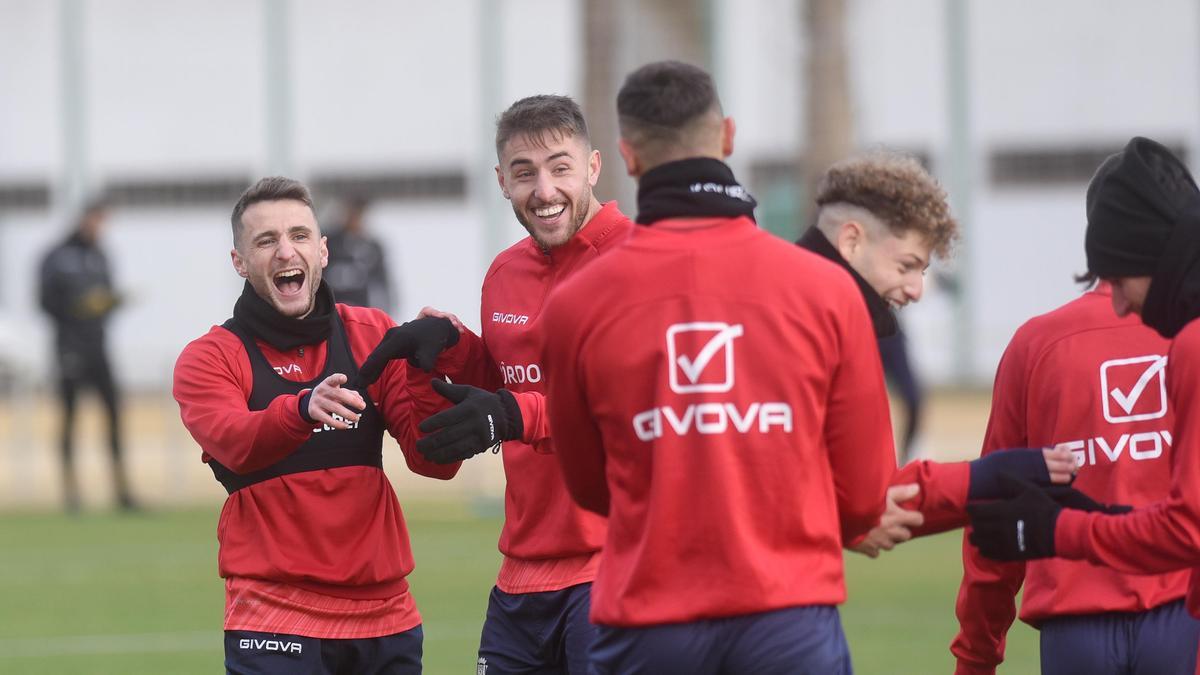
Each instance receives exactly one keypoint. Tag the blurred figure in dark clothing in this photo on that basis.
(902, 380)
(358, 271)
(76, 290)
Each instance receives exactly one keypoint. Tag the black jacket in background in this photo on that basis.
(75, 289)
(357, 271)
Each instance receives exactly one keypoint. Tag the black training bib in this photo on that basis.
(327, 448)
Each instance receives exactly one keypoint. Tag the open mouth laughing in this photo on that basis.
(289, 282)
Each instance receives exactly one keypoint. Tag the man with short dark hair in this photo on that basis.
(537, 617)
(717, 392)
(312, 542)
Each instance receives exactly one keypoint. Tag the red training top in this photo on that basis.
(718, 392)
(1164, 536)
(1082, 376)
(548, 542)
(333, 532)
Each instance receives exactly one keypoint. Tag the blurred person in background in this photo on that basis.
(312, 543)
(881, 217)
(1143, 237)
(75, 288)
(358, 269)
(903, 381)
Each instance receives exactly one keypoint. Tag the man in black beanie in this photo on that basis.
(1143, 236)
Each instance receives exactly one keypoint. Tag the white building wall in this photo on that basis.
(179, 89)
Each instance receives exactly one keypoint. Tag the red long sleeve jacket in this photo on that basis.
(548, 541)
(1082, 376)
(338, 532)
(1164, 536)
(718, 392)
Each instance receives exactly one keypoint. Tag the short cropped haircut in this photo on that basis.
(272, 188)
(896, 189)
(660, 100)
(536, 116)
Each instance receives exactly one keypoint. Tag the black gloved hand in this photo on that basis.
(1025, 464)
(479, 421)
(1020, 528)
(419, 340)
(1069, 497)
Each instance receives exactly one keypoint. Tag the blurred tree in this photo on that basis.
(829, 125)
(620, 35)
(601, 70)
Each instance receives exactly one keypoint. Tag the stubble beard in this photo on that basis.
(579, 211)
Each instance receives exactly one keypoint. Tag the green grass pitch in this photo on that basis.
(104, 593)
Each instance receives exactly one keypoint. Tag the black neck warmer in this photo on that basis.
(701, 187)
(882, 317)
(284, 333)
(1174, 297)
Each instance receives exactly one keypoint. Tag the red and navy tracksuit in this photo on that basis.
(537, 613)
(1081, 376)
(312, 541)
(733, 423)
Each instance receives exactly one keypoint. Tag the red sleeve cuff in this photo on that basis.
(1070, 534)
(953, 482)
(535, 433)
(943, 496)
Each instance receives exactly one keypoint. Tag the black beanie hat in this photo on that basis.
(1133, 204)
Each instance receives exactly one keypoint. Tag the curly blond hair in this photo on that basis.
(896, 189)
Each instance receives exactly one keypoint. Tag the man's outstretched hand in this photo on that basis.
(331, 404)
(420, 341)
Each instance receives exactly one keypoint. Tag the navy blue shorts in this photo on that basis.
(796, 641)
(540, 633)
(1161, 641)
(252, 653)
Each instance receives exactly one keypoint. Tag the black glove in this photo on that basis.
(1020, 528)
(419, 340)
(1070, 498)
(479, 421)
(1023, 463)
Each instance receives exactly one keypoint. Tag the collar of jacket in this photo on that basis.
(592, 235)
(882, 317)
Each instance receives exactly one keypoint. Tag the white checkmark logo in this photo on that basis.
(693, 368)
(1127, 401)
(1120, 405)
(686, 372)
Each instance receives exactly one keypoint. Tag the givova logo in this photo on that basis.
(701, 360)
(510, 318)
(270, 645)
